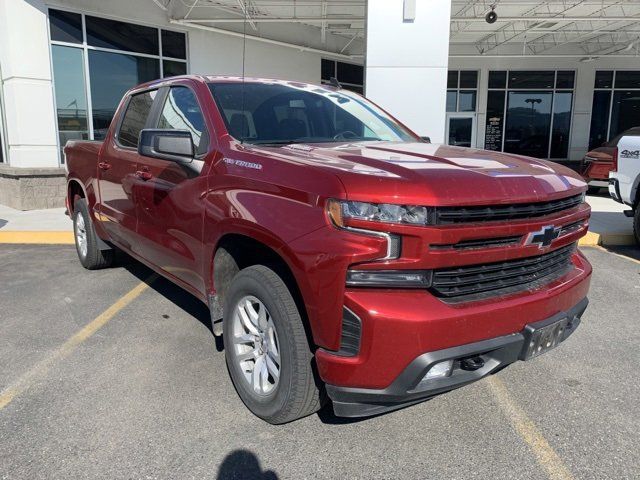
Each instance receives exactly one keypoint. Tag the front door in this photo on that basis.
(461, 129)
(169, 195)
(117, 171)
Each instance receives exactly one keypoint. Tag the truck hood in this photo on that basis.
(431, 174)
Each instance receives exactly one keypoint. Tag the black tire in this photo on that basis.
(296, 394)
(93, 258)
(636, 224)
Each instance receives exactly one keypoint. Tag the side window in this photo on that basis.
(135, 118)
(182, 112)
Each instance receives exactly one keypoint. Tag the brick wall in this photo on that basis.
(32, 188)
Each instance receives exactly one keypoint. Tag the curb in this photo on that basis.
(593, 239)
(41, 238)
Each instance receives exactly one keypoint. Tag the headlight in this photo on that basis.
(377, 212)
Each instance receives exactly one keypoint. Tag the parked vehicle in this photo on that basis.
(625, 178)
(338, 251)
(598, 162)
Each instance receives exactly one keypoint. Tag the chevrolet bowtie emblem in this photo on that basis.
(543, 237)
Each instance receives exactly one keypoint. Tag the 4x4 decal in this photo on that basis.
(630, 154)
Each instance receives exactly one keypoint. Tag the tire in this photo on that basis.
(292, 393)
(636, 224)
(89, 254)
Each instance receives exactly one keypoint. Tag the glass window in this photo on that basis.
(350, 73)
(182, 112)
(495, 120)
(328, 69)
(561, 124)
(102, 32)
(460, 131)
(70, 93)
(135, 118)
(625, 110)
(65, 26)
(111, 75)
(452, 100)
(469, 79)
(599, 118)
(174, 44)
(629, 79)
(565, 79)
(280, 114)
(452, 79)
(531, 79)
(498, 79)
(353, 88)
(528, 123)
(604, 79)
(171, 68)
(467, 101)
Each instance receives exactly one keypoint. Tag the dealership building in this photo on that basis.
(548, 79)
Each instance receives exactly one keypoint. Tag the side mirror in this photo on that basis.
(426, 139)
(173, 145)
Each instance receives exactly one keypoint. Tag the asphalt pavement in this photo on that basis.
(99, 382)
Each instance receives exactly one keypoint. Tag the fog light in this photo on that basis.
(439, 370)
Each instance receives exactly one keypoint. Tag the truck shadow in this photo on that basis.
(180, 297)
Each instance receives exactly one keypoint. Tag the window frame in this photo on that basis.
(458, 90)
(612, 90)
(159, 103)
(555, 89)
(125, 108)
(85, 47)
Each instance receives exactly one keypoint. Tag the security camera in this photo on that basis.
(491, 17)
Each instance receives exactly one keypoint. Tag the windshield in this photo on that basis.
(276, 113)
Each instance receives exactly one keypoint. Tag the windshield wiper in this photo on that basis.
(274, 142)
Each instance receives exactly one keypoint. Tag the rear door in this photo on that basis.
(169, 195)
(117, 169)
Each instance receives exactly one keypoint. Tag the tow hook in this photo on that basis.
(471, 363)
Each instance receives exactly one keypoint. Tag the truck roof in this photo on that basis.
(223, 79)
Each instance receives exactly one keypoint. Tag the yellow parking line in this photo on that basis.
(30, 237)
(545, 454)
(41, 368)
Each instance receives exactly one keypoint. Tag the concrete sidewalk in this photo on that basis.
(608, 225)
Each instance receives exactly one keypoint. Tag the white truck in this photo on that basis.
(624, 179)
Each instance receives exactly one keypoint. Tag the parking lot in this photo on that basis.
(116, 374)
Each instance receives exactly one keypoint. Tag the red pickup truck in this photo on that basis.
(339, 253)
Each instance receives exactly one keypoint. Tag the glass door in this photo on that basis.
(461, 129)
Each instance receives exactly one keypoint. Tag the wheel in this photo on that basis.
(91, 257)
(266, 348)
(636, 224)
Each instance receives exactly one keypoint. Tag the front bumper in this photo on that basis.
(407, 388)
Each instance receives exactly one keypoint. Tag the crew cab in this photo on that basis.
(340, 254)
(598, 163)
(624, 179)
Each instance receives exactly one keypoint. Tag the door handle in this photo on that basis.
(104, 165)
(144, 175)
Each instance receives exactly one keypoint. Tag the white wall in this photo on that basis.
(27, 89)
(406, 62)
(583, 97)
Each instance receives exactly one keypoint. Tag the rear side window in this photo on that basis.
(135, 118)
(182, 112)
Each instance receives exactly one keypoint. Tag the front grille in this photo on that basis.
(493, 279)
(484, 243)
(448, 215)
